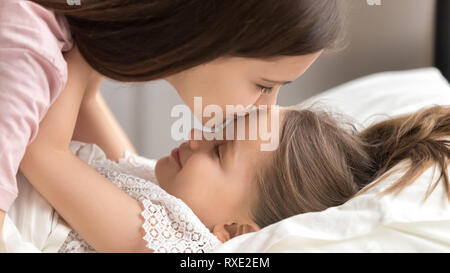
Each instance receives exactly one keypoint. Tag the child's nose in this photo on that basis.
(199, 138)
(194, 144)
(195, 138)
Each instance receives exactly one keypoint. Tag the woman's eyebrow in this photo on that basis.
(277, 82)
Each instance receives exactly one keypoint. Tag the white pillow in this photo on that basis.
(367, 223)
(378, 96)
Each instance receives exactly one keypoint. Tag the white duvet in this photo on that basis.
(364, 224)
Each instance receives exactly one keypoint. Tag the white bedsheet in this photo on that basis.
(32, 225)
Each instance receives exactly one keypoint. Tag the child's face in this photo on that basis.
(218, 189)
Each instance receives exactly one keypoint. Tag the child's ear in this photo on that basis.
(227, 231)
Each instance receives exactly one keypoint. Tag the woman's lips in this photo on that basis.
(175, 154)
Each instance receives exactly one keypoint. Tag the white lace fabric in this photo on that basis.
(168, 223)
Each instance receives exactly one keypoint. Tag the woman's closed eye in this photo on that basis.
(265, 89)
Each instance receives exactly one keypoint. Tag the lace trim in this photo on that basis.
(75, 244)
(169, 228)
(169, 224)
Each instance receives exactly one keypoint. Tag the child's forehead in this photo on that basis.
(252, 115)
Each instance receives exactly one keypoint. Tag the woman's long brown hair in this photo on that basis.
(137, 40)
(323, 161)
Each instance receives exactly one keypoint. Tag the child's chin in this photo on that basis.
(164, 170)
(158, 166)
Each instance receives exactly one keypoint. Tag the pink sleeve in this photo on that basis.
(32, 74)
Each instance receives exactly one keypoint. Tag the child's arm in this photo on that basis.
(96, 124)
(105, 216)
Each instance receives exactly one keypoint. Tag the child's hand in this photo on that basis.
(97, 124)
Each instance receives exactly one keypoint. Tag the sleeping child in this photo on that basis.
(210, 191)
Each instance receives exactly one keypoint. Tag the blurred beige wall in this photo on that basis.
(397, 35)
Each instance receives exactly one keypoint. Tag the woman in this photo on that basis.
(227, 52)
(232, 187)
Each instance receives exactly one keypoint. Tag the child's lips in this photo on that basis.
(175, 154)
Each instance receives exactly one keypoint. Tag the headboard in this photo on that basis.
(442, 43)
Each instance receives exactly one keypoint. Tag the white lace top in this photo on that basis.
(169, 224)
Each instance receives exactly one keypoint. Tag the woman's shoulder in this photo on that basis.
(32, 42)
(36, 32)
(43, 25)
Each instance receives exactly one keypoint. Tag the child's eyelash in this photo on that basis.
(265, 89)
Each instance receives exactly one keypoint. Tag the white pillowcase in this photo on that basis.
(376, 97)
(368, 223)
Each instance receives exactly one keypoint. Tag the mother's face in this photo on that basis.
(239, 81)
